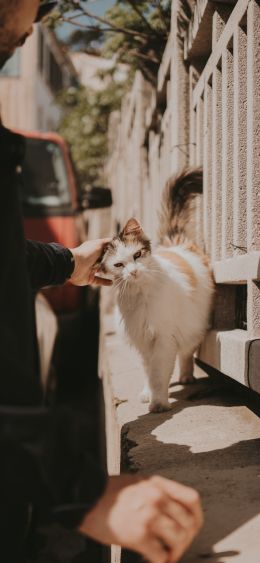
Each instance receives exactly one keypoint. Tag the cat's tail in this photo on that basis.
(178, 203)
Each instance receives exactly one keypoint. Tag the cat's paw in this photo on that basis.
(157, 406)
(187, 378)
(144, 396)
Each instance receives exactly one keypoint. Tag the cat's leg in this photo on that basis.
(145, 394)
(161, 366)
(186, 362)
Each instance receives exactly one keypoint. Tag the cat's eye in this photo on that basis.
(137, 255)
(119, 265)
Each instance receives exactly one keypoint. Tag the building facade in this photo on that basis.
(205, 111)
(31, 80)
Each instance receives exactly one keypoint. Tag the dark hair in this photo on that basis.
(6, 35)
(6, 9)
(45, 8)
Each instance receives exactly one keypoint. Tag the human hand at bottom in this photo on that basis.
(154, 516)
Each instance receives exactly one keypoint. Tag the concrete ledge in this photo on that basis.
(238, 269)
(209, 440)
(234, 353)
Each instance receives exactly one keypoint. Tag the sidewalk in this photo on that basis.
(210, 440)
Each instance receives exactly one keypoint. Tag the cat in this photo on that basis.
(164, 294)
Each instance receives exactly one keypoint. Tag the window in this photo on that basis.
(44, 175)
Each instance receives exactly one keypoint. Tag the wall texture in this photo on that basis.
(205, 111)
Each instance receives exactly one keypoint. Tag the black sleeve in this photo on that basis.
(44, 464)
(44, 458)
(48, 264)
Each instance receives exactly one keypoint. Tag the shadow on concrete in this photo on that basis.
(227, 478)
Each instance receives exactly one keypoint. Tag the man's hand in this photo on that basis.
(86, 256)
(154, 516)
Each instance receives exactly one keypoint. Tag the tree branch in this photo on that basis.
(112, 25)
(159, 6)
(143, 18)
(139, 55)
(101, 29)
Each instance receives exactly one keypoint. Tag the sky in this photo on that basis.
(98, 7)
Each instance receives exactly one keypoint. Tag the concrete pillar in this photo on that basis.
(192, 127)
(240, 141)
(219, 19)
(207, 169)
(227, 154)
(216, 163)
(179, 99)
(198, 162)
(253, 127)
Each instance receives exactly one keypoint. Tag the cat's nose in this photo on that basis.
(134, 273)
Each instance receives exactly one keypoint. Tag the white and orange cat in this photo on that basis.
(164, 294)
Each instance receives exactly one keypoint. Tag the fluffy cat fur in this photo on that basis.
(164, 294)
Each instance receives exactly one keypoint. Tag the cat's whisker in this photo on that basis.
(118, 283)
(123, 290)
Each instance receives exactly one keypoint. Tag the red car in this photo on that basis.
(53, 209)
(50, 201)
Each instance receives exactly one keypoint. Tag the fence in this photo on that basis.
(205, 111)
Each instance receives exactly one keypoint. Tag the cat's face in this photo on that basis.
(128, 254)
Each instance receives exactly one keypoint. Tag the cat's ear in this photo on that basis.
(132, 227)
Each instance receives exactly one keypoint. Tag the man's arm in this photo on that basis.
(48, 264)
(53, 264)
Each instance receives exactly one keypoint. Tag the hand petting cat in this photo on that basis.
(86, 257)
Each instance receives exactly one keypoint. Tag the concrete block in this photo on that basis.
(234, 353)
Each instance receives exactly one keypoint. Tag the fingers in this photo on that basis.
(105, 240)
(185, 496)
(94, 279)
(179, 513)
(99, 246)
(180, 519)
(154, 551)
(168, 531)
(101, 243)
(101, 281)
(175, 538)
(175, 523)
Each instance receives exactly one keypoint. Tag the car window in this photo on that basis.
(44, 175)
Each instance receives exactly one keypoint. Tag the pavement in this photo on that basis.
(209, 440)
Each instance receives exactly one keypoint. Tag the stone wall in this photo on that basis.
(205, 111)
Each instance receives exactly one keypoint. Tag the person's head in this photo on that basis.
(16, 24)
